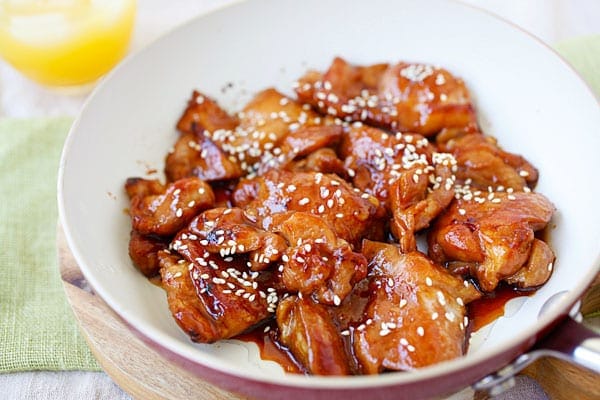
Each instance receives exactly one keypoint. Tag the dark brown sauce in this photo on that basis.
(490, 307)
(223, 191)
(270, 349)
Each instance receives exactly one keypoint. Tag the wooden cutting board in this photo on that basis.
(144, 374)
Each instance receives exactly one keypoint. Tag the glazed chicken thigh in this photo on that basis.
(403, 97)
(415, 315)
(492, 237)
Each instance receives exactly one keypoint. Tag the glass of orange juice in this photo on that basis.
(65, 43)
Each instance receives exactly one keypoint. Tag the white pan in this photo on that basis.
(525, 95)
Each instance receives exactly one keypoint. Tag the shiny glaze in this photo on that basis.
(487, 309)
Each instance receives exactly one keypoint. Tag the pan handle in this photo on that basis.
(569, 341)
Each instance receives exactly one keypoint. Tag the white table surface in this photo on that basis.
(550, 20)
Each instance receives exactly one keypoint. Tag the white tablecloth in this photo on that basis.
(549, 20)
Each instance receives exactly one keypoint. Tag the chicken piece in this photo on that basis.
(350, 215)
(308, 331)
(377, 158)
(229, 232)
(204, 114)
(265, 122)
(317, 263)
(196, 155)
(537, 269)
(405, 173)
(140, 187)
(323, 160)
(415, 203)
(415, 315)
(408, 97)
(143, 251)
(211, 303)
(492, 234)
(165, 214)
(482, 163)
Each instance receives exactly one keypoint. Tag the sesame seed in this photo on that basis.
(345, 332)
(403, 303)
(440, 297)
(178, 212)
(403, 341)
(420, 331)
(304, 201)
(384, 332)
(450, 316)
(411, 348)
(460, 301)
(434, 316)
(336, 300)
(428, 281)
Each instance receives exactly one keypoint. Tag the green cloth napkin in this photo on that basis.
(37, 328)
(583, 53)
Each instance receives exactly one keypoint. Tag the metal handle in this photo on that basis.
(569, 341)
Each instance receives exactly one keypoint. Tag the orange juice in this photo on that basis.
(65, 42)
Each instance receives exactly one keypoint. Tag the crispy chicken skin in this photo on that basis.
(165, 214)
(317, 263)
(404, 97)
(482, 163)
(349, 214)
(415, 315)
(492, 236)
(307, 330)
